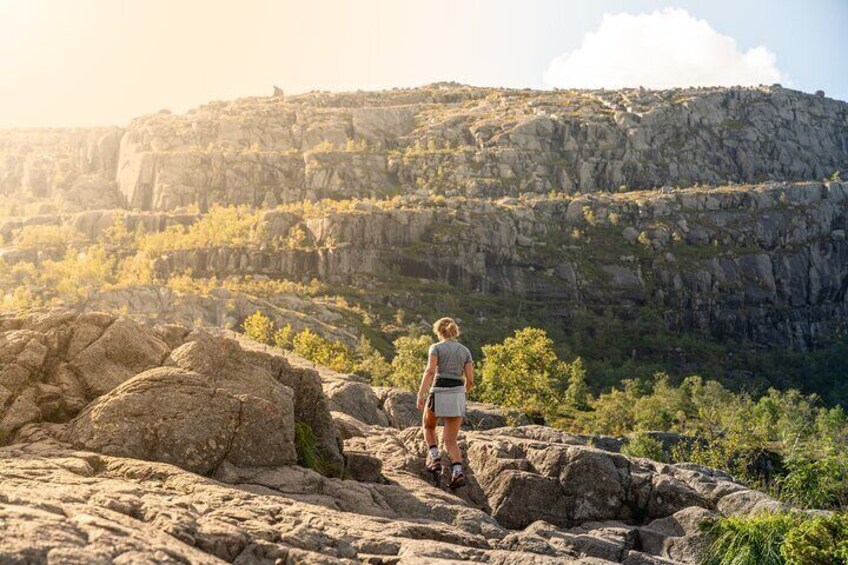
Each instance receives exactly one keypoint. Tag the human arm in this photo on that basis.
(427, 379)
(469, 375)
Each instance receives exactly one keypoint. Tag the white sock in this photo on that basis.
(434, 453)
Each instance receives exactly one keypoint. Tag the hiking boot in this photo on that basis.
(457, 479)
(434, 463)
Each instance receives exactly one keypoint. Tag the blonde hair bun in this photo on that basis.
(446, 328)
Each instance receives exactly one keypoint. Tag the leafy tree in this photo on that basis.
(613, 412)
(662, 408)
(134, 271)
(21, 298)
(186, 283)
(47, 238)
(409, 361)
(371, 364)
(118, 236)
(832, 428)
(80, 274)
(297, 238)
(221, 226)
(365, 360)
(523, 373)
(577, 394)
(709, 401)
(155, 244)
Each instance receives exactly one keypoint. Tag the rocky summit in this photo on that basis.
(468, 141)
(129, 443)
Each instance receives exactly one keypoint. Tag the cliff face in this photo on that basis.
(477, 142)
(540, 195)
(78, 164)
(459, 140)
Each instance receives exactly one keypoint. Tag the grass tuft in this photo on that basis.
(308, 451)
(748, 540)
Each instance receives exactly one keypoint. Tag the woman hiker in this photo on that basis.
(447, 361)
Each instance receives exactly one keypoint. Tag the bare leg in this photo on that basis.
(450, 433)
(428, 423)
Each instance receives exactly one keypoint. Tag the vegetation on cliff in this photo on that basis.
(615, 325)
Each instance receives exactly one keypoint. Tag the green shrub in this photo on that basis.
(283, 337)
(118, 237)
(816, 483)
(80, 274)
(778, 538)
(726, 450)
(641, 444)
(332, 354)
(308, 451)
(612, 413)
(820, 540)
(577, 393)
(220, 227)
(365, 360)
(748, 540)
(47, 238)
(258, 327)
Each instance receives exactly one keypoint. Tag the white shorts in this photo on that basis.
(448, 402)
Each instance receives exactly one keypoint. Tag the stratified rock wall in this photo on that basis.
(477, 142)
(766, 263)
(442, 138)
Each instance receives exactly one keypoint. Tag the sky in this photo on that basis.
(102, 62)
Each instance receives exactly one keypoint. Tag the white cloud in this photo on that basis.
(662, 49)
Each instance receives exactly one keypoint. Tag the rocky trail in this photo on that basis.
(127, 443)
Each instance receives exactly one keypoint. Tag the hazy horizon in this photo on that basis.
(101, 63)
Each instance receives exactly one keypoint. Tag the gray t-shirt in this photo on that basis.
(452, 357)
